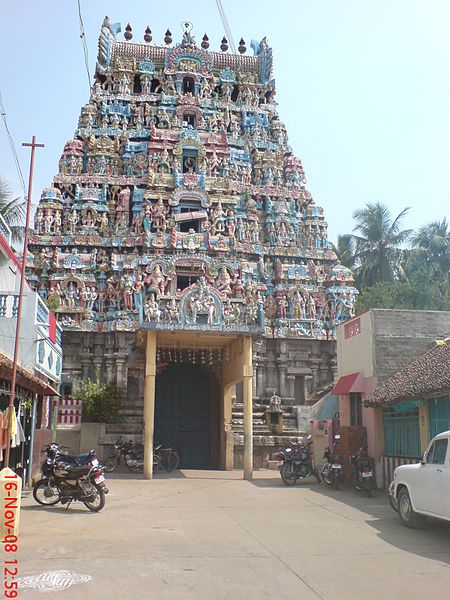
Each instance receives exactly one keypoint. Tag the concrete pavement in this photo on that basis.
(200, 535)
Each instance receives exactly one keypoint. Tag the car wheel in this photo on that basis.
(392, 499)
(407, 515)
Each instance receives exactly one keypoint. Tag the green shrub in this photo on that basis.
(101, 400)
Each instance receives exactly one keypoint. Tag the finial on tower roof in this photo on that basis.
(242, 47)
(205, 42)
(128, 33)
(168, 37)
(148, 35)
(224, 44)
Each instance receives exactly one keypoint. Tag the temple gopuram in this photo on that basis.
(183, 254)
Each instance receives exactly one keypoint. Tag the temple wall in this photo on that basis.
(293, 369)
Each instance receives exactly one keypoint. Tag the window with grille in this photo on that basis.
(401, 433)
(355, 410)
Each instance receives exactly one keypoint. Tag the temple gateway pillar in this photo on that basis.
(240, 368)
(248, 407)
(228, 458)
(149, 402)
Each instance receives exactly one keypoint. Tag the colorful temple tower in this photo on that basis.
(180, 215)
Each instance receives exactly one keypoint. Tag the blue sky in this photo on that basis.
(363, 88)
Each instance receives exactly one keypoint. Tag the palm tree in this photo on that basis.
(378, 243)
(432, 241)
(13, 212)
(345, 250)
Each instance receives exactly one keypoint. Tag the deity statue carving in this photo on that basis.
(152, 311)
(138, 291)
(218, 219)
(156, 281)
(223, 281)
(72, 221)
(72, 295)
(159, 213)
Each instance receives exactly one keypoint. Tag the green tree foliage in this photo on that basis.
(432, 248)
(345, 250)
(391, 276)
(101, 400)
(377, 244)
(13, 212)
(407, 295)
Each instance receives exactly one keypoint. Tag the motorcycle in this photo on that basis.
(67, 478)
(298, 464)
(132, 455)
(365, 480)
(331, 471)
(282, 454)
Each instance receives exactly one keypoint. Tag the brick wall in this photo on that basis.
(401, 336)
(352, 438)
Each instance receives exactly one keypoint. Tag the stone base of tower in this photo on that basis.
(199, 391)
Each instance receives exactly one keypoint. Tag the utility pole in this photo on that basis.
(33, 146)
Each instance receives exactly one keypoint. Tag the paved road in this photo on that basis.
(209, 535)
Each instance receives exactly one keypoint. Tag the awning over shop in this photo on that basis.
(25, 378)
(50, 391)
(356, 382)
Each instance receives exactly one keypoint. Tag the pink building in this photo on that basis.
(371, 347)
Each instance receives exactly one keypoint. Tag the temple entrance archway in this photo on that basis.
(187, 409)
(224, 360)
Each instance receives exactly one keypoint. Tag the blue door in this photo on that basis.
(185, 414)
(439, 411)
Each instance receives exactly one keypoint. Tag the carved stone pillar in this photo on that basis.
(121, 372)
(315, 378)
(260, 381)
(282, 375)
(271, 379)
(86, 362)
(109, 361)
(254, 381)
(98, 362)
(291, 386)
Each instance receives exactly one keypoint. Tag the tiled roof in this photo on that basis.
(428, 375)
(319, 394)
(25, 378)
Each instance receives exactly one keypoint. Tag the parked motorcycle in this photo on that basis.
(331, 471)
(132, 454)
(298, 464)
(69, 478)
(365, 480)
(282, 453)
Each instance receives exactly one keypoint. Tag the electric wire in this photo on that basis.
(225, 24)
(84, 44)
(13, 146)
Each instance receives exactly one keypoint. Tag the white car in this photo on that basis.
(423, 490)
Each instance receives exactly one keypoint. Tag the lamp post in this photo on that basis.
(33, 146)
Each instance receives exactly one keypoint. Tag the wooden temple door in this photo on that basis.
(186, 414)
